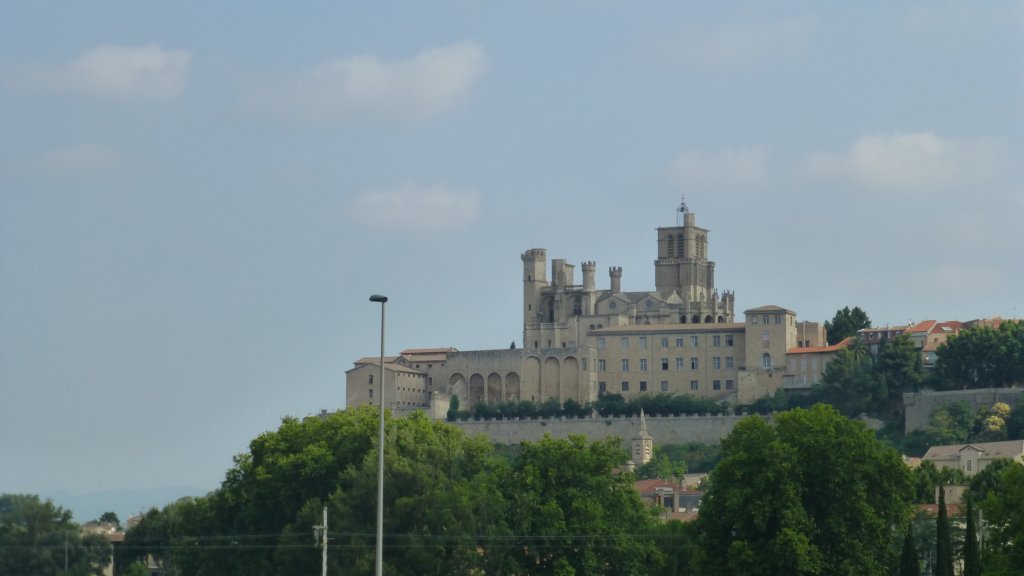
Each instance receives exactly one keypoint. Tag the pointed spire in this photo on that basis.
(643, 424)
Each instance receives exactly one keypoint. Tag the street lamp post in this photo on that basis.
(380, 445)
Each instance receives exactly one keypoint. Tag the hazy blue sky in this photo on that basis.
(197, 198)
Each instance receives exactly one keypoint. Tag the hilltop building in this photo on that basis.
(579, 341)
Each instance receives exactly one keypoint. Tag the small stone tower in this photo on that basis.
(642, 444)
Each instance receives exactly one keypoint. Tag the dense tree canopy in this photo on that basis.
(813, 493)
(846, 323)
(856, 383)
(37, 538)
(452, 506)
(1003, 507)
(982, 357)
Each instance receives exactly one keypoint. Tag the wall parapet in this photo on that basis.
(707, 429)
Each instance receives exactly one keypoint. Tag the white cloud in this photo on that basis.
(418, 208)
(148, 72)
(735, 46)
(909, 162)
(730, 167)
(422, 86)
(80, 160)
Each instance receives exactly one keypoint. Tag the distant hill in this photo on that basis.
(125, 503)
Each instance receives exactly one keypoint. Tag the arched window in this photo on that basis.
(721, 319)
(682, 318)
(679, 247)
(766, 361)
(708, 319)
(671, 245)
(695, 319)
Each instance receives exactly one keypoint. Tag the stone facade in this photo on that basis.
(560, 313)
(663, 429)
(579, 342)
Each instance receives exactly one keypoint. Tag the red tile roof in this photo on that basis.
(812, 349)
(925, 326)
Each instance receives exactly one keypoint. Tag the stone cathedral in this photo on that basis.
(560, 313)
(580, 341)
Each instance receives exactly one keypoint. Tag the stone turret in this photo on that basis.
(615, 275)
(589, 268)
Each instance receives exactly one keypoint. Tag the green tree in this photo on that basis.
(899, 367)
(661, 466)
(988, 479)
(110, 517)
(925, 478)
(1004, 513)
(453, 407)
(982, 357)
(813, 493)
(846, 323)
(972, 558)
(851, 384)
(943, 540)
(678, 542)
(38, 537)
(910, 564)
(136, 569)
(752, 520)
(572, 515)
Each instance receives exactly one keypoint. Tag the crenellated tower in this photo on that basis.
(558, 313)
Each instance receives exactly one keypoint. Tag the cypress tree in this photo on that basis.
(972, 558)
(910, 565)
(943, 544)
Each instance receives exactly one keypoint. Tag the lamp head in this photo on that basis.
(378, 298)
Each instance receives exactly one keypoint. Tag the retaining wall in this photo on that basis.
(918, 405)
(664, 429)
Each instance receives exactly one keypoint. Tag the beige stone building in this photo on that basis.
(580, 341)
(973, 458)
(805, 366)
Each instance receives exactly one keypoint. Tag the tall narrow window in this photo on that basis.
(766, 360)
(671, 245)
(625, 364)
(643, 364)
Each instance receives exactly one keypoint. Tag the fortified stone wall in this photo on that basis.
(664, 429)
(918, 405)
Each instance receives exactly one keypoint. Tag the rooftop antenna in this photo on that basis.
(682, 210)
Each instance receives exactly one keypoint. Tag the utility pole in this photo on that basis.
(320, 535)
